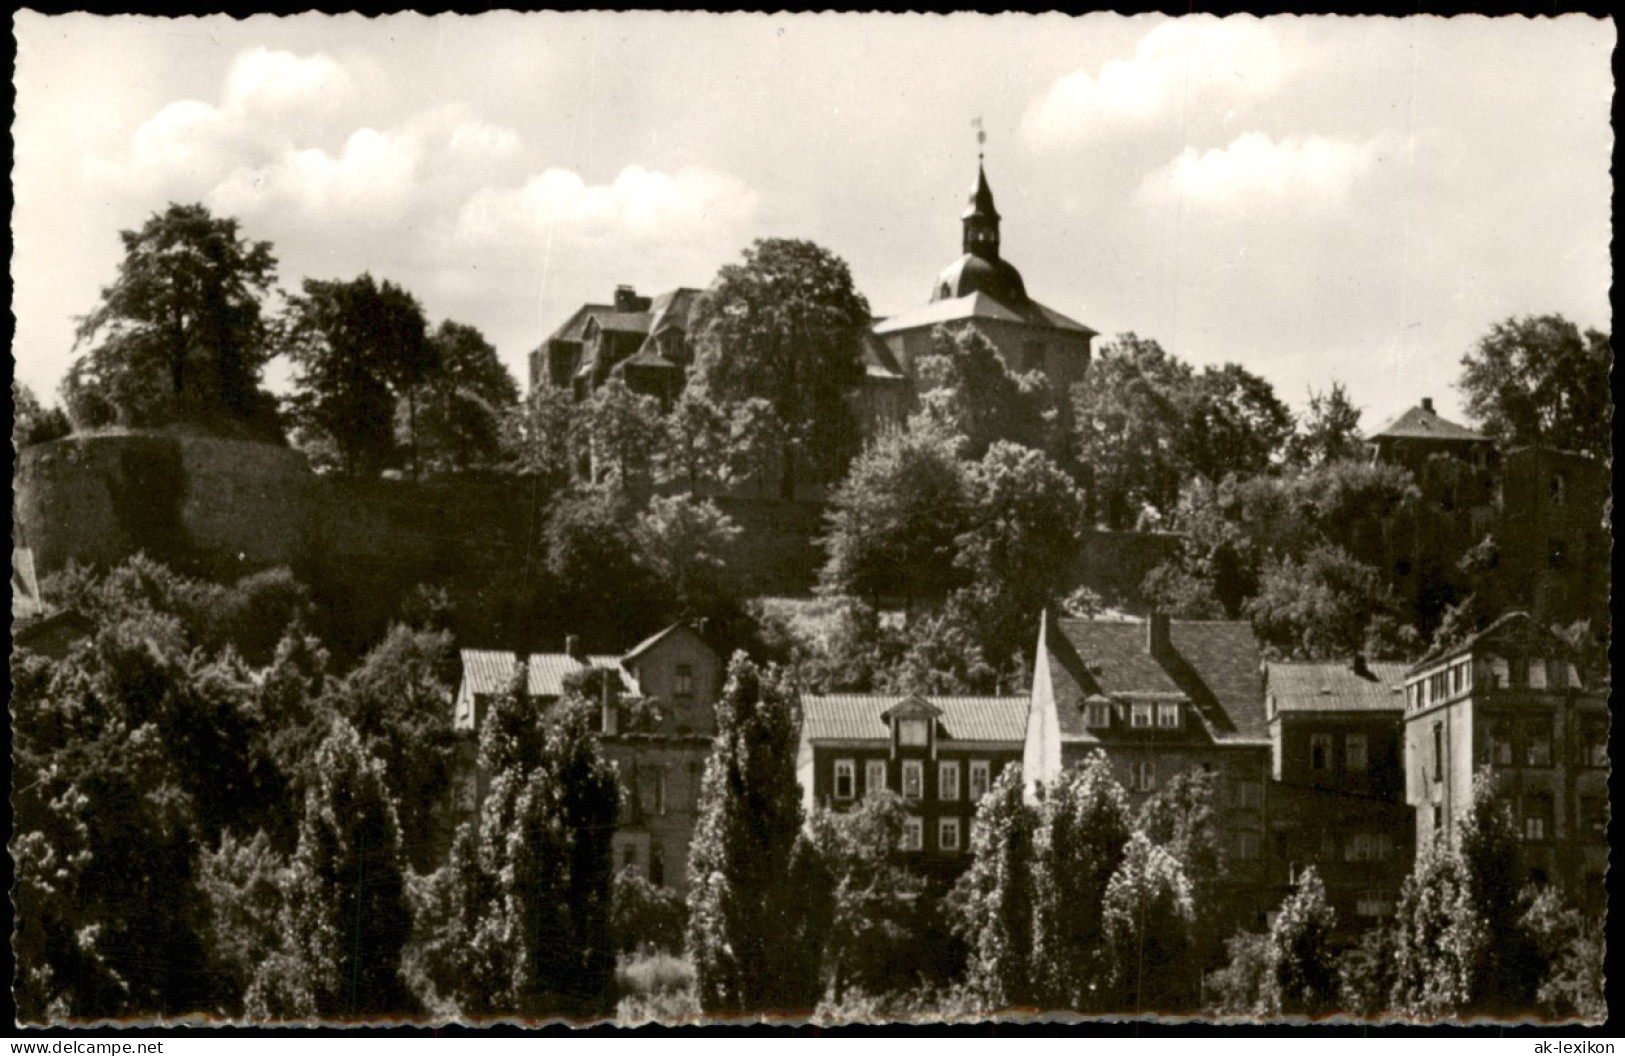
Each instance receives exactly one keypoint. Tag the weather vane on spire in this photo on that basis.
(981, 136)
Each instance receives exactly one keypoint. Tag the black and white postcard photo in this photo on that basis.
(602, 522)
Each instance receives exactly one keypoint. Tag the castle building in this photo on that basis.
(1510, 699)
(648, 341)
(981, 289)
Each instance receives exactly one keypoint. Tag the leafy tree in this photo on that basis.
(744, 915)
(786, 326)
(593, 567)
(1366, 974)
(694, 448)
(1238, 989)
(1234, 423)
(1128, 415)
(647, 917)
(871, 939)
(179, 334)
(1025, 527)
(360, 347)
(1539, 380)
(895, 521)
(686, 543)
(1083, 835)
(399, 702)
(558, 880)
(460, 421)
(1573, 949)
(939, 651)
(543, 438)
(241, 883)
(345, 916)
(1302, 978)
(1330, 432)
(624, 431)
(1328, 607)
(32, 423)
(1148, 914)
(1181, 819)
(968, 389)
(1436, 938)
(994, 898)
(1507, 969)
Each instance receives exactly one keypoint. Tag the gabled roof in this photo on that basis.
(979, 306)
(1500, 628)
(861, 717)
(573, 326)
(622, 322)
(488, 671)
(1213, 664)
(1422, 423)
(1307, 687)
(878, 361)
(915, 707)
(654, 640)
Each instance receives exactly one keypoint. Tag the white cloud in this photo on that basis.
(1308, 171)
(273, 83)
(1179, 66)
(372, 178)
(639, 206)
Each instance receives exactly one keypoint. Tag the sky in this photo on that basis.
(1318, 199)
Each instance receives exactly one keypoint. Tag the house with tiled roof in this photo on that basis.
(1159, 697)
(660, 757)
(1337, 791)
(939, 753)
(1511, 698)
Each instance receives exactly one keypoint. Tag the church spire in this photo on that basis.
(980, 219)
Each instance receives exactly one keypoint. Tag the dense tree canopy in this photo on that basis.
(968, 389)
(1539, 380)
(361, 347)
(787, 326)
(458, 421)
(179, 336)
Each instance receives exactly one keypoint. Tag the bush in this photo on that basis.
(648, 918)
(656, 987)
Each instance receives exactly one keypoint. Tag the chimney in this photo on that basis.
(611, 716)
(572, 646)
(1156, 633)
(1427, 404)
(1358, 666)
(702, 625)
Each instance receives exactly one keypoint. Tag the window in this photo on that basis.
(1369, 847)
(1141, 716)
(1537, 742)
(948, 834)
(913, 779)
(1537, 674)
(874, 777)
(1098, 716)
(657, 866)
(1537, 817)
(1354, 748)
(652, 789)
(1520, 671)
(1320, 751)
(1373, 906)
(1500, 672)
(1249, 795)
(684, 683)
(1438, 819)
(1497, 744)
(1247, 846)
(845, 779)
(913, 733)
(1594, 740)
(948, 780)
(629, 856)
(1438, 751)
(978, 779)
(1458, 678)
(913, 834)
(1168, 716)
(1594, 818)
(1145, 776)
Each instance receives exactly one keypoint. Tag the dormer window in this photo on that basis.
(1097, 716)
(1168, 716)
(913, 733)
(683, 684)
(1140, 716)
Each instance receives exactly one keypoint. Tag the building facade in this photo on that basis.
(659, 752)
(939, 753)
(1510, 699)
(1161, 697)
(1337, 783)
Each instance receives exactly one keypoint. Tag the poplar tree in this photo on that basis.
(744, 914)
(1148, 916)
(1302, 979)
(994, 898)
